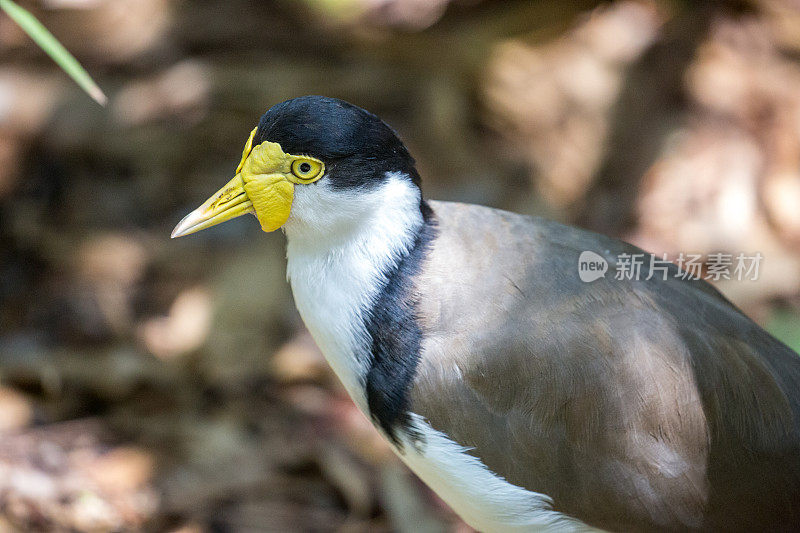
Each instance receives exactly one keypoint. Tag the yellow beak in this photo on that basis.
(263, 185)
(229, 202)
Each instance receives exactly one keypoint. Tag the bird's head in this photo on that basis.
(307, 163)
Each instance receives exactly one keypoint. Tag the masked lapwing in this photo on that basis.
(527, 397)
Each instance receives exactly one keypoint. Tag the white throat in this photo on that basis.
(340, 244)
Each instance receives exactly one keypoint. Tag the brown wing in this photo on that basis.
(635, 405)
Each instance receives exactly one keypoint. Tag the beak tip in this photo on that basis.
(186, 226)
(229, 202)
(176, 232)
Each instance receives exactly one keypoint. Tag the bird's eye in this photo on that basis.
(306, 169)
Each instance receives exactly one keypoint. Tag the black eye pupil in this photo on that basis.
(305, 167)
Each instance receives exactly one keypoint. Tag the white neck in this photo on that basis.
(340, 244)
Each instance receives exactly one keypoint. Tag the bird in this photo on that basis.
(527, 398)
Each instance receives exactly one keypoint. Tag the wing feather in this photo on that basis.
(634, 404)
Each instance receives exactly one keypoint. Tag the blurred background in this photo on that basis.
(171, 386)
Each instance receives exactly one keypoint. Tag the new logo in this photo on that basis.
(591, 266)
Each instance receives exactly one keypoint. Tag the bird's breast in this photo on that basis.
(332, 312)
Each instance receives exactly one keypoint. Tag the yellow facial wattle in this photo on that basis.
(264, 184)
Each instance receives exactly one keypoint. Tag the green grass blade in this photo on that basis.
(54, 49)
